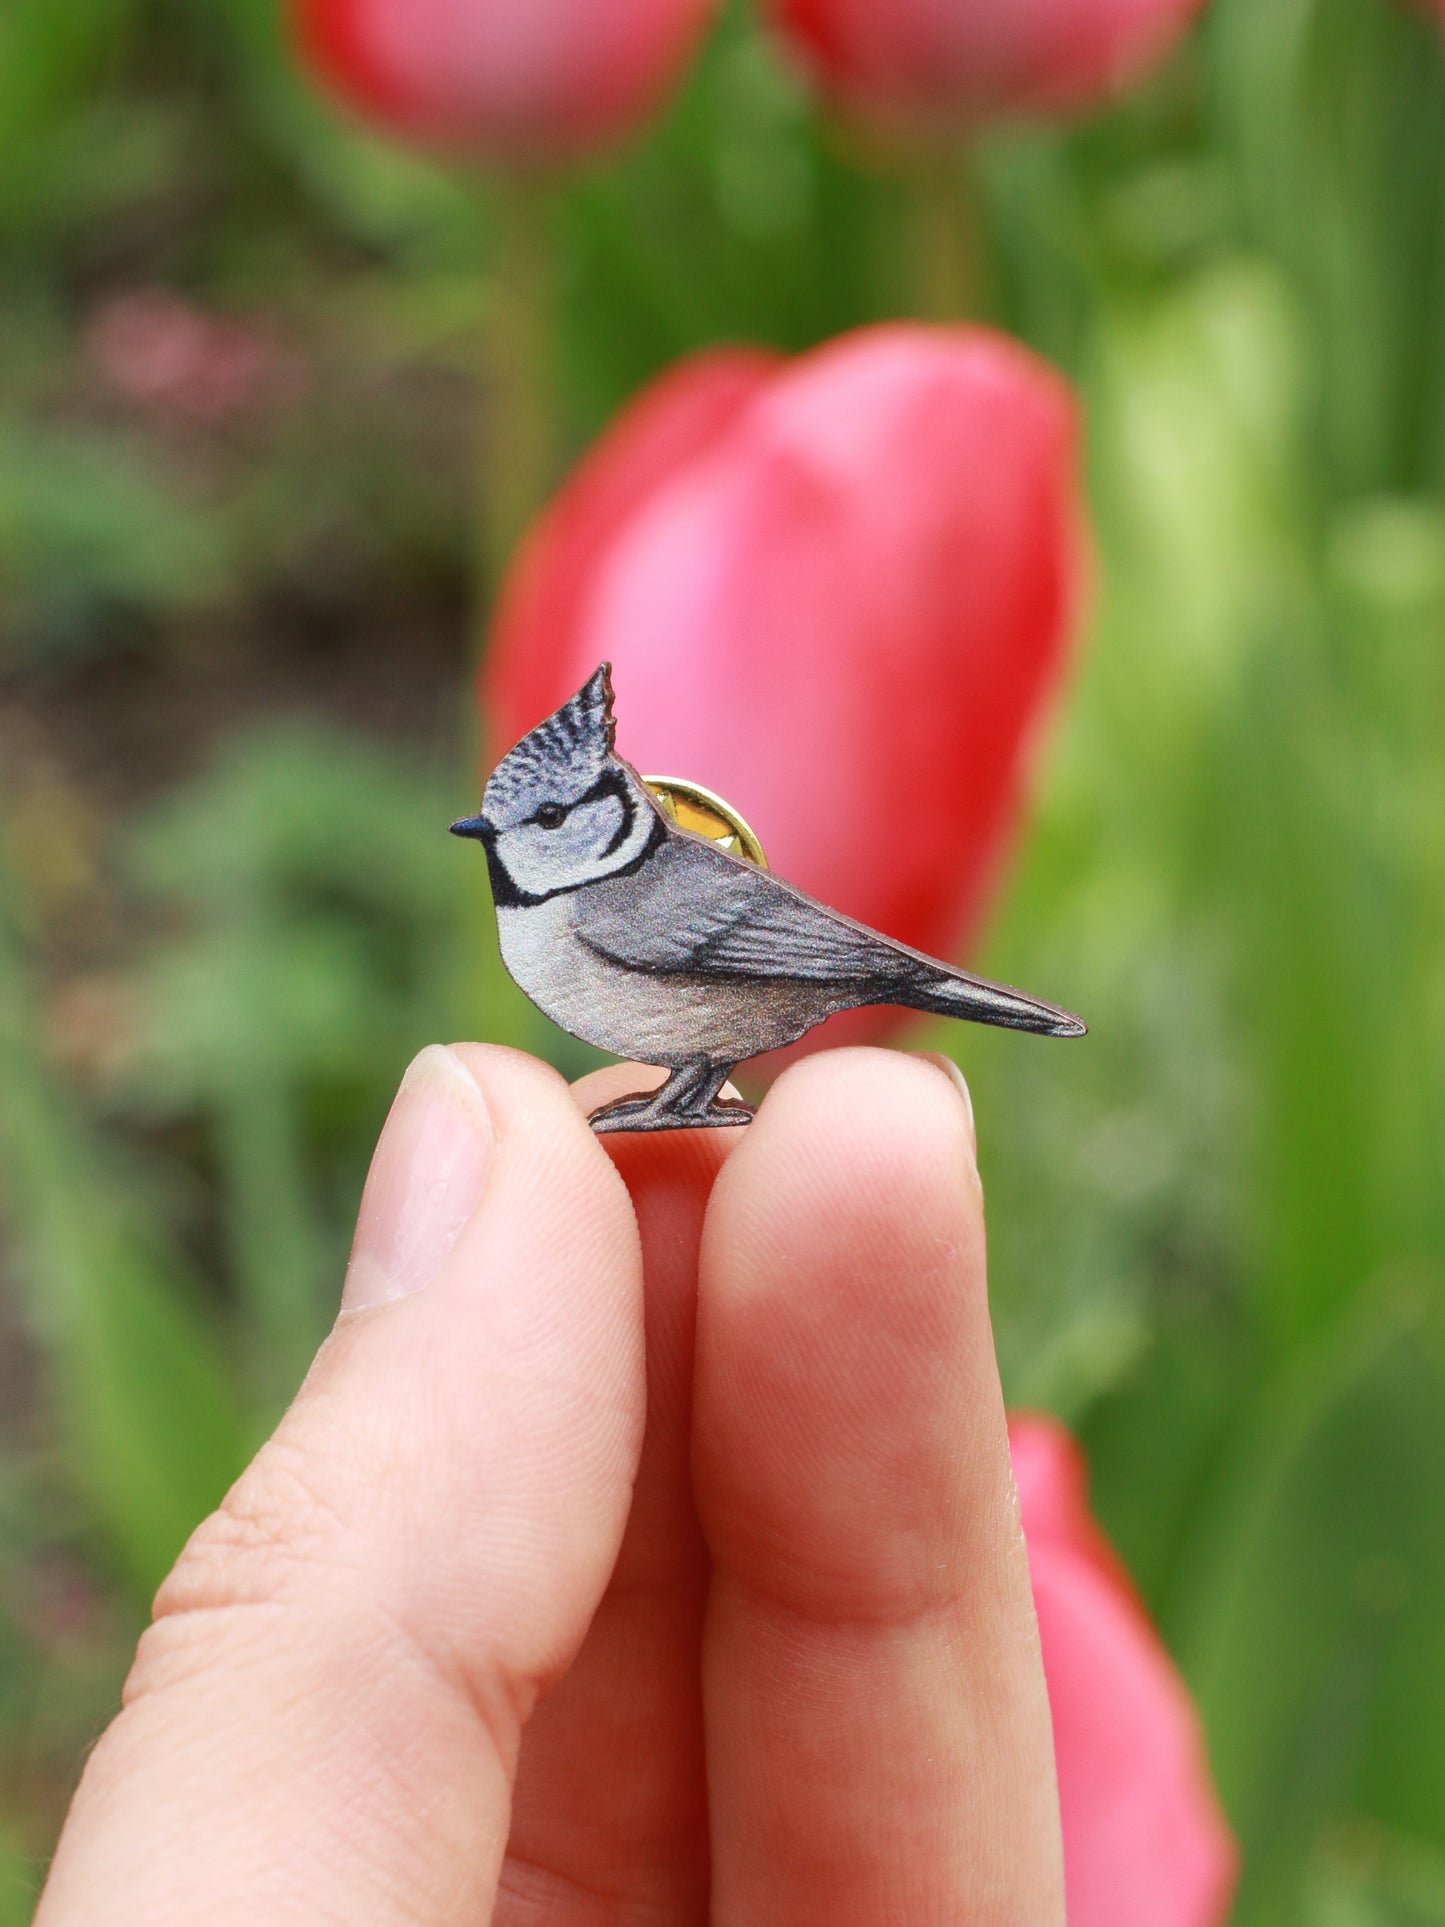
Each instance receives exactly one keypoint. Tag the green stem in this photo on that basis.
(952, 275)
(280, 1256)
(519, 453)
(519, 448)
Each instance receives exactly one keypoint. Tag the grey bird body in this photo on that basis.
(653, 943)
(669, 1017)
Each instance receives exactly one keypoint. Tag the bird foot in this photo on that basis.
(649, 1114)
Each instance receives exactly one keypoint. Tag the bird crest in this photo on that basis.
(564, 755)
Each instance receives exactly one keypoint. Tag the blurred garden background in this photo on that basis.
(261, 458)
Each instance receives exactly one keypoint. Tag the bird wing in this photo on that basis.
(696, 911)
(693, 910)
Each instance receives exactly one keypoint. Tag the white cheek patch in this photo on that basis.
(591, 830)
(587, 846)
(534, 859)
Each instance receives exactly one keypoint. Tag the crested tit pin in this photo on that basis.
(651, 942)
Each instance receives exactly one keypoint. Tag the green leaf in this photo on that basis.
(1308, 1614)
(149, 1410)
(146, 1412)
(19, 1878)
(87, 521)
(1332, 114)
(1367, 1878)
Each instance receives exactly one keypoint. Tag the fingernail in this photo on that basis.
(424, 1183)
(960, 1083)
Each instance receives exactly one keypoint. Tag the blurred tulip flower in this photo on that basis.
(516, 80)
(839, 590)
(1145, 1844)
(158, 352)
(950, 61)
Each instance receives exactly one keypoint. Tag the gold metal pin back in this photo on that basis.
(703, 813)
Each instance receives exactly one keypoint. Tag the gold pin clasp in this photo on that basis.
(703, 813)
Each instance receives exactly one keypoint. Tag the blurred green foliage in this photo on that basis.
(227, 915)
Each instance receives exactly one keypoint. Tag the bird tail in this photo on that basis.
(957, 994)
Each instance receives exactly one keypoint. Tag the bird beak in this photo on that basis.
(476, 826)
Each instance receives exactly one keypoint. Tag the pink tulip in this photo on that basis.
(1145, 1843)
(840, 591)
(513, 79)
(160, 353)
(960, 60)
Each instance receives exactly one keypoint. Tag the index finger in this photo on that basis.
(879, 1744)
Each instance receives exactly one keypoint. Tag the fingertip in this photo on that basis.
(897, 1090)
(880, 1134)
(954, 1075)
(426, 1180)
(521, 1323)
(561, 1166)
(512, 1081)
(845, 1352)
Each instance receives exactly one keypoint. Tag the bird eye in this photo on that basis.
(551, 816)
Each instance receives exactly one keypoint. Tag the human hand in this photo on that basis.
(554, 1600)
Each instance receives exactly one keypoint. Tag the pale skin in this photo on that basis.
(654, 1560)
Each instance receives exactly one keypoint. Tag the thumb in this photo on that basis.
(323, 1721)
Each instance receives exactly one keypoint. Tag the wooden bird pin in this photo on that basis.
(650, 941)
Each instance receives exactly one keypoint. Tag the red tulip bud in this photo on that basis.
(839, 591)
(1144, 1839)
(954, 60)
(513, 79)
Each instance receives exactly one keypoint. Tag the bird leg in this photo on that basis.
(689, 1099)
